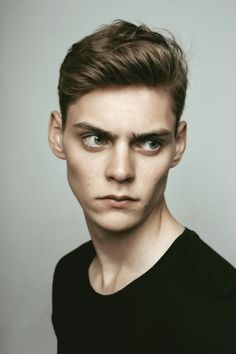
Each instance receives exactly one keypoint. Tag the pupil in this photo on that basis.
(98, 140)
(153, 144)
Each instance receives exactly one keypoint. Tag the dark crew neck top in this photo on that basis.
(185, 303)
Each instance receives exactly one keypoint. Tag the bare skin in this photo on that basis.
(120, 142)
(118, 264)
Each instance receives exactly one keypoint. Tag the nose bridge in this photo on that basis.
(120, 165)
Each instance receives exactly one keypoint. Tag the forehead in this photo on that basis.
(122, 109)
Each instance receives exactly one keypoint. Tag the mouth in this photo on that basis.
(118, 201)
(119, 198)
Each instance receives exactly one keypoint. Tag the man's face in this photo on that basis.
(119, 144)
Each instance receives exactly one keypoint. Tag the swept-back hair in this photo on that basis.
(122, 53)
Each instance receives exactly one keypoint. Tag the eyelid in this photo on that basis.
(149, 150)
(144, 140)
(93, 133)
(93, 147)
(137, 141)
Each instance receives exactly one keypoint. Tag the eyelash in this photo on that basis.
(105, 140)
(151, 141)
(95, 147)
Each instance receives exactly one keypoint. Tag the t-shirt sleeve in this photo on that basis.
(211, 329)
(63, 281)
(58, 291)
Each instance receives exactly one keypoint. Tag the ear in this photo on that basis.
(180, 143)
(55, 135)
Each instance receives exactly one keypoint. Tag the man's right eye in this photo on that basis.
(93, 140)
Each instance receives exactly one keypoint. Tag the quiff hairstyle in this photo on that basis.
(122, 53)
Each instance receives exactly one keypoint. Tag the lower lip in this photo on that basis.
(118, 203)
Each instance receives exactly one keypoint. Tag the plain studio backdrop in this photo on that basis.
(40, 218)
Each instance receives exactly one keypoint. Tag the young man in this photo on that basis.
(144, 283)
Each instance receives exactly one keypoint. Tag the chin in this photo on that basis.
(116, 223)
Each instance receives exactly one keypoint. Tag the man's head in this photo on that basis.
(122, 93)
(123, 54)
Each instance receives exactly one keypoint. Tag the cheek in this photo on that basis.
(79, 175)
(155, 178)
(156, 171)
(157, 184)
(155, 190)
(84, 176)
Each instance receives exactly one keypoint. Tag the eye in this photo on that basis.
(93, 140)
(150, 145)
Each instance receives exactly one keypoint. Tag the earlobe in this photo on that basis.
(180, 144)
(55, 134)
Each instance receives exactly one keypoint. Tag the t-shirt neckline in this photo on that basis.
(140, 279)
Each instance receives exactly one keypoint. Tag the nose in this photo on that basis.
(120, 166)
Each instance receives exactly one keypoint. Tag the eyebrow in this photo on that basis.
(135, 136)
(97, 130)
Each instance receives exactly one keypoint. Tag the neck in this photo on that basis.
(134, 251)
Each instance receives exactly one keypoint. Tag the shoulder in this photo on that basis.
(211, 266)
(75, 259)
(210, 325)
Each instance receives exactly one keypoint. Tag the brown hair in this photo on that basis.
(123, 54)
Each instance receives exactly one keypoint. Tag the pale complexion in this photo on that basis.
(120, 141)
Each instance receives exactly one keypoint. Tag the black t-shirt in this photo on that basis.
(185, 303)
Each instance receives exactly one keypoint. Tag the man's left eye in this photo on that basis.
(150, 145)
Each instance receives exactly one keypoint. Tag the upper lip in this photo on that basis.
(118, 197)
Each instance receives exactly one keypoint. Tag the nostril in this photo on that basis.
(120, 166)
(121, 178)
(120, 175)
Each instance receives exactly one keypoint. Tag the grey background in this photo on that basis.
(40, 218)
